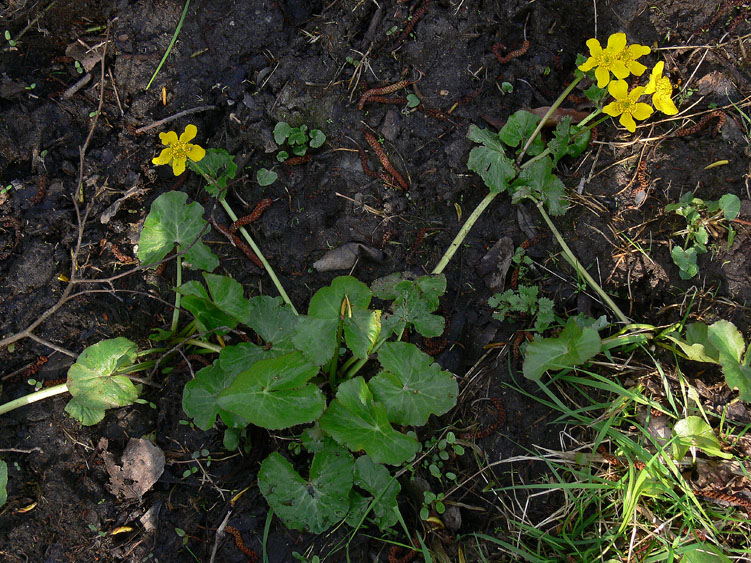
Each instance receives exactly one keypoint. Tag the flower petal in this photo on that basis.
(665, 105)
(618, 89)
(164, 157)
(589, 64)
(189, 133)
(636, 93)
(636, 68)
(642, 111)
(635, 51)
(168, 138)
(628, 122)
(620, 69)
(612, 109)
(178, 165)
(594, 47)
(194, 152)
(603, 76)
(617, 42)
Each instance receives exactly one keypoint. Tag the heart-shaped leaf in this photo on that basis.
(92, 383)
(375, 479)
(273, 321)
(171, 222)
(353, 419)
(275, 393)
(573, 346)
(313, 504)
(226, 306)
(411, 385)
(414, 303)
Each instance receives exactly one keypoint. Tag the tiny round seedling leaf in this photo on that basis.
(282, 130)
(317, 138)
(266, 177)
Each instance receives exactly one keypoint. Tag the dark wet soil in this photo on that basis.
(240, 67)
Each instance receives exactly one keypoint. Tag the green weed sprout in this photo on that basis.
(702, 219)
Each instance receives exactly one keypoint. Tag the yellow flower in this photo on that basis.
(629, 56)
(626, 104)
(607, 60)
(661, 90)
(178, 150)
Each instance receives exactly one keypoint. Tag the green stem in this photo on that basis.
(206, 345)
(551, 111)
(176, 311)
(33, 397)
(260, 255)
(461, 235)
(580, 268)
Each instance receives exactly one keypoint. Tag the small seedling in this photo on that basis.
(10, 41)
(703, 218)
(434, 501)
(79, 68)
(524, 300)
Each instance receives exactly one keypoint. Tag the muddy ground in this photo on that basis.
(241, 67)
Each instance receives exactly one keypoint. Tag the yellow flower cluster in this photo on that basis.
(619, 59)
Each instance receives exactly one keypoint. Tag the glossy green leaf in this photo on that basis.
(573, 346)
(361, 331)
(282, 130)
(519, 128)
(694, 431)
(686, 261)
(313, 504)
(375, 479)
(316, 334)
(266, 177)
(355, 420)
(317, 138)
(566, 141)
(542, 185)
(414, 303)
(201, 393)
(493, 166)
(275, 393)
(92, 383)
(411, 385)
(226, 307)
(171, 222)
(274, 322)
(730, 205)
(218, 164)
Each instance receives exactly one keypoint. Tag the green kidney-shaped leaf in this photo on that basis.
(573, 346)
(316, 334)
(200, 398)
(493, 166)
(414, 303)
(273, 321)
(519, 128)
(266, 177)
(694, 431)
(317, 138)
(281, 132)
(376, 479)
(686, 262)
(226, 307)
(730, 205)
(92, 384)
(172, 223)
(314, 504)
(411, 385)
(275, 393)
(542, 185)
(220, 165)
(354, 420)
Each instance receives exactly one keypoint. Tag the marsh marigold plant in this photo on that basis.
(179, 149)
(661, 90)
